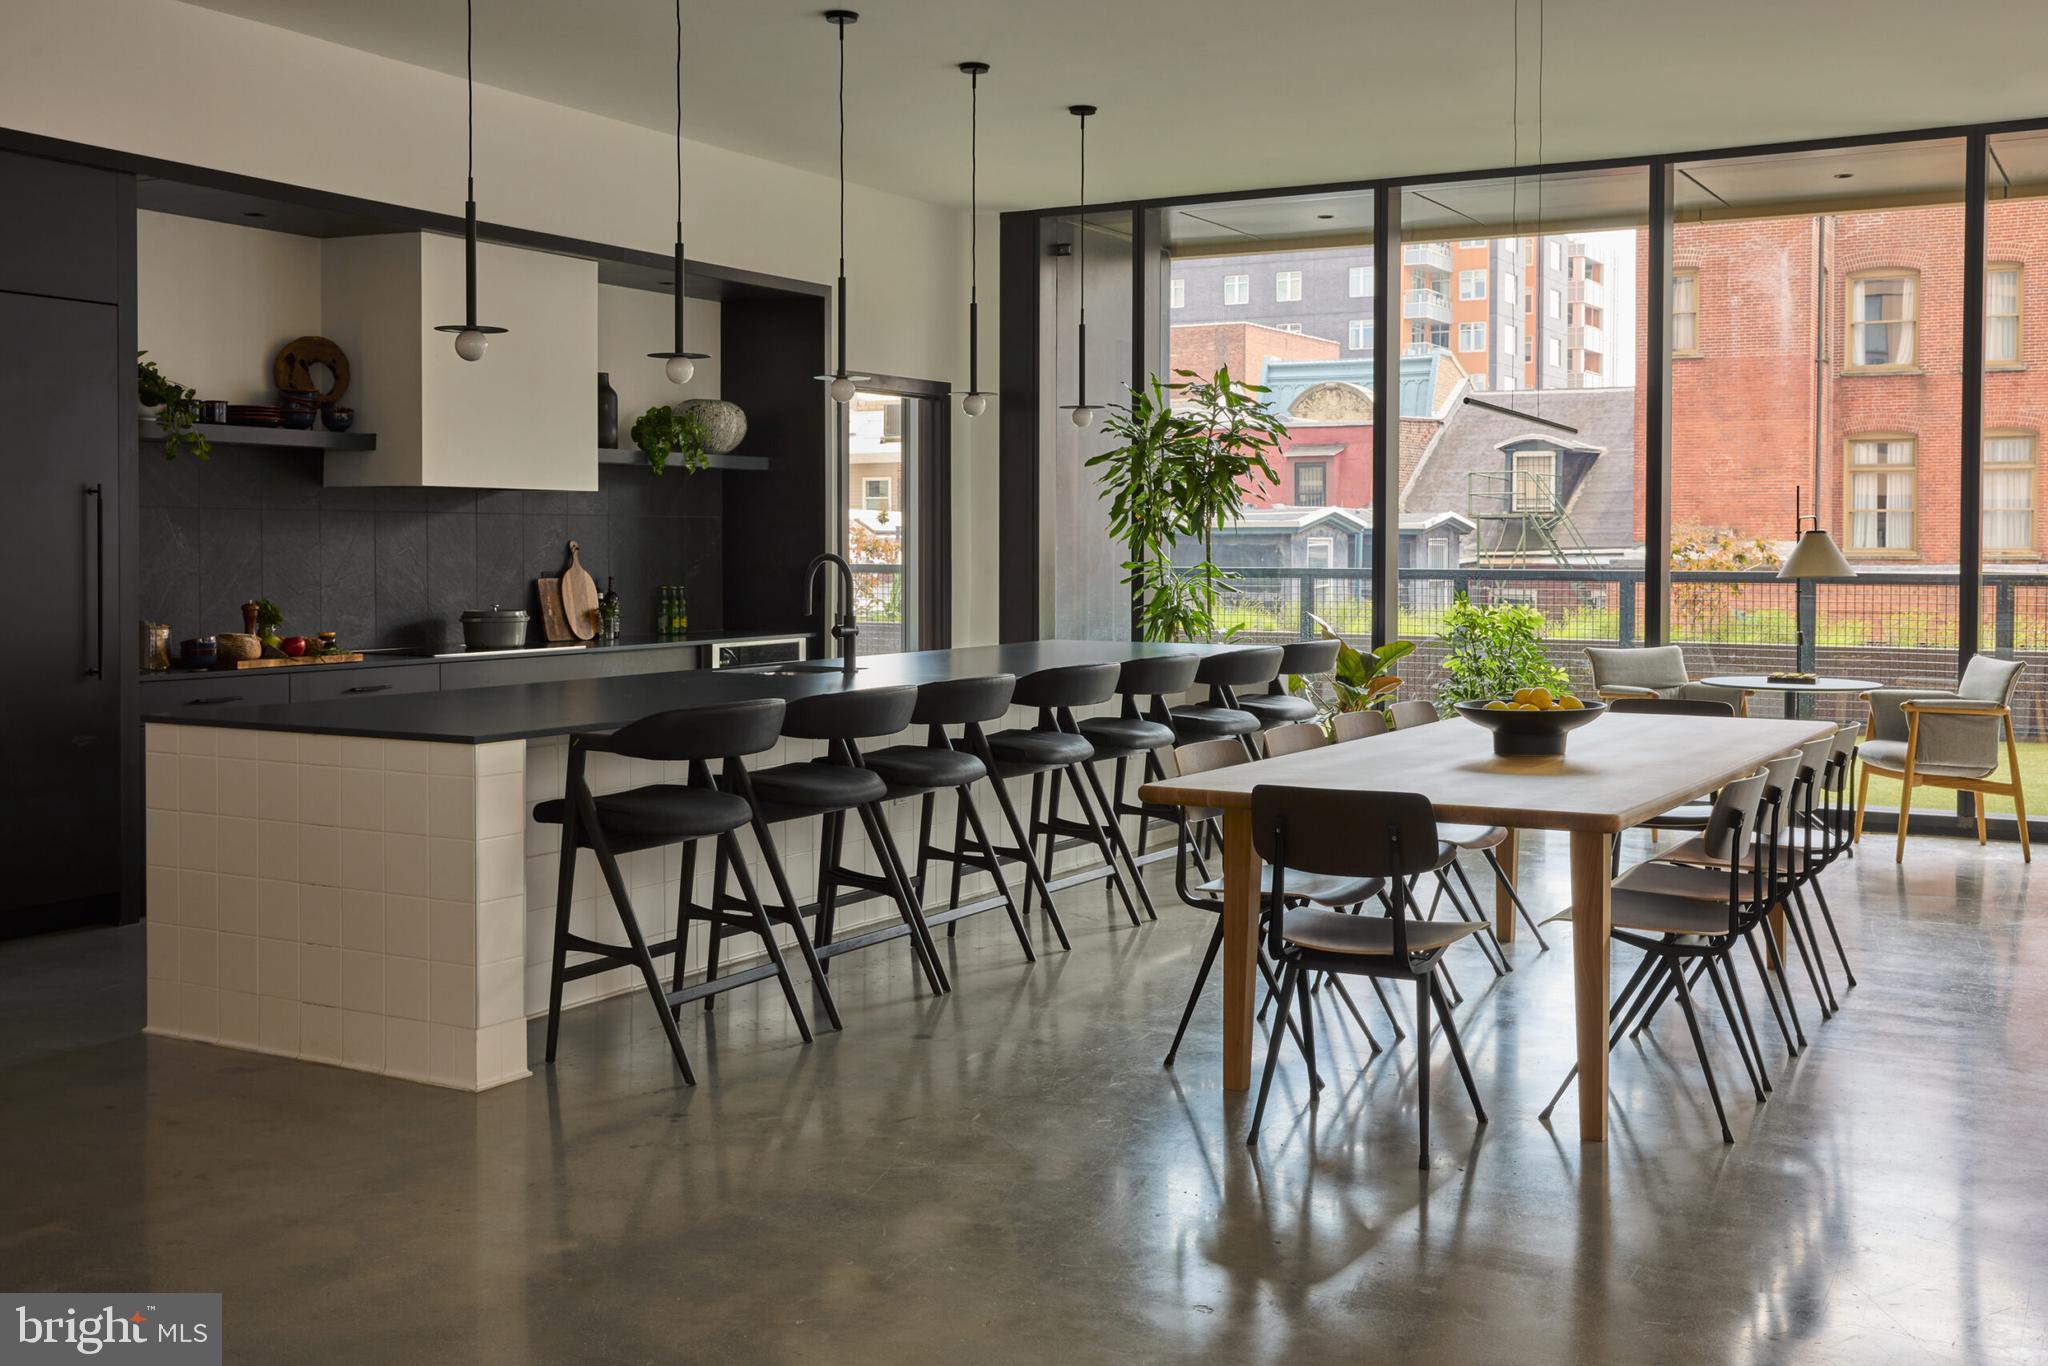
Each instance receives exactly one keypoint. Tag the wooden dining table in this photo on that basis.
(1616, 772)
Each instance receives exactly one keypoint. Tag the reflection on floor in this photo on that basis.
(1008, 1174)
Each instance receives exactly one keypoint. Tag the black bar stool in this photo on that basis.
(1221, 717)
(662, 814)
(941, 764)
(1055, 749)
(1141, 730)
(1298, 659)
(830, 787)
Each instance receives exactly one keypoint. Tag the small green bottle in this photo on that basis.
(664, 613)
(682, 614)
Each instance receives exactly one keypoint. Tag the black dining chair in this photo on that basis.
(1141, 730)
(1225, 673)
(1311, 831)
(1277, 706)
(658, 814)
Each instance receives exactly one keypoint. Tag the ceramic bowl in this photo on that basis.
(1520, 733)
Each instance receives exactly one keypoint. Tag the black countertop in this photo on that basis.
(524, 711)
(398, 658)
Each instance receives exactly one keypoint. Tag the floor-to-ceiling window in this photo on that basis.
(1280, 293)
(1817, 369)
(1519, 446)
(881, 472)
(2013, 602)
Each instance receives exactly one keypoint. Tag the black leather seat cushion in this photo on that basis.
(1126, 734)
(1207, 721)
(665, 811)
(1279, 710)
(923, 766)
(1040, 748)
(820, 787)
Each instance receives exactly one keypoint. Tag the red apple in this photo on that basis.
(293, 645)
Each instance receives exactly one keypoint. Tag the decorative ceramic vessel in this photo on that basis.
(607, 413)
(725, 424)
(1530, 733)
(337, 417)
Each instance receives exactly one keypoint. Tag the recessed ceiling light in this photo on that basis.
(1845, 175)
(1326, 215)
(254, 213)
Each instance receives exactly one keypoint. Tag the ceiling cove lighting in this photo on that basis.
(472, 338)
(842, 385)
(974, 401)
(1082, 412)
(682, 362)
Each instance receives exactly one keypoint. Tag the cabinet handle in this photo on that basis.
(209, 701)
(99, 581)
(367, 687)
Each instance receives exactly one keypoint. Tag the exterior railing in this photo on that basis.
(878, 607)
(1895, 627)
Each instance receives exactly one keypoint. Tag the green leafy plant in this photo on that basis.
(177, 410)
(661, 432)
(1493, 651)
(268, 618)
(1362, 680)
(1185, 453)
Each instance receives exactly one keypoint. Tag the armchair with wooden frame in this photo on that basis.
(1654, 671)
(1934, 737)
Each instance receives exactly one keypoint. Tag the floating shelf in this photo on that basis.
(735, 461)
(313, 439)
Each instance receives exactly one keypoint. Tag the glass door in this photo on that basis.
(880, 532)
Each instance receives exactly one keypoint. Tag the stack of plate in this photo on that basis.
(254, 415)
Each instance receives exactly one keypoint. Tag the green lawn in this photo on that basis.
(2033, 780)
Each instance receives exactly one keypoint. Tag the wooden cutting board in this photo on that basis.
(292, 661)
(554, 623)
(579, 597)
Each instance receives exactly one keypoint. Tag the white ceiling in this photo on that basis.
(1204, 96)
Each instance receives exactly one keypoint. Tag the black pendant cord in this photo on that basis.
(839, 355)
(681, 350)
(469, 322)
(973, 232)
(1081, 407)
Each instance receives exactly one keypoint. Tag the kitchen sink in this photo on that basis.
(791, 668)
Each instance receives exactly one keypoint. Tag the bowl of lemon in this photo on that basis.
(1532, 722)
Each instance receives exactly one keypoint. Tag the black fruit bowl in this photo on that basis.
(1519, 734)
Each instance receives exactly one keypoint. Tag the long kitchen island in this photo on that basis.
(359, 882)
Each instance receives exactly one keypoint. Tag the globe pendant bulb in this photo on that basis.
(680, 369)
(974, 405)
(1084, 417)
(471, 345)
(841, 390)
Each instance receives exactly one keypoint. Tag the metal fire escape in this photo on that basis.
(1522, 519)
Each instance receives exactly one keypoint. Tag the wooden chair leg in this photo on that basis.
(1906, 787)
(1862, 800)
(2019, 795)
(1977, 802)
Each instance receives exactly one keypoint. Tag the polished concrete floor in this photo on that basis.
(1008, 1174)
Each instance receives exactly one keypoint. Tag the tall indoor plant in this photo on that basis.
(1494, 652)
(1185, 453)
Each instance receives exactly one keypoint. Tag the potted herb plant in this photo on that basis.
(1494, 652)
(661, 433)
(177, 410)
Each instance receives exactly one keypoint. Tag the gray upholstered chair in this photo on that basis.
(1653, 671)
(1940, 737)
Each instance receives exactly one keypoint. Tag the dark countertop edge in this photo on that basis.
(398, 659)
(562, 708)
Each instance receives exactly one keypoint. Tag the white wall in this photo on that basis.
(214, 303)
(168, 80)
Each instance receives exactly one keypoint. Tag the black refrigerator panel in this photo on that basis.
(60, 759)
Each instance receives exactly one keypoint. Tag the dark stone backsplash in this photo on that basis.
(398, 567)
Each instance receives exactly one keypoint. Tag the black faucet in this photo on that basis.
(847, 631)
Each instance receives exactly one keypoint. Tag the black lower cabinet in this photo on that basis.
(60, 692)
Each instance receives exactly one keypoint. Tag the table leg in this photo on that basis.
(1240, 946)
(1503, 903)
(1591, 913)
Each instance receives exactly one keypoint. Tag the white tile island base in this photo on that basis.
(388, 905)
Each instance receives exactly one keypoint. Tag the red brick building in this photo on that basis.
(1825, 353)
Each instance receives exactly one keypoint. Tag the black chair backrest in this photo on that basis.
(1240, 668)
(1672, 706)
(1344, 834)
(958, 701)
(850, 715)
(1157, 675)
(720, 731)
(1070, 685)
(1309, 656)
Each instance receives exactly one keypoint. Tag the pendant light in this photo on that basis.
(682, 362)
(842, 385)
(1082, 411)
(974, 401)
(472, 338)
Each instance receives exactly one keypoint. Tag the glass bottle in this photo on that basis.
(608, 614)
(682, 617)
(664, 614)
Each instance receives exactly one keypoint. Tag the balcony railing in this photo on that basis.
(1889, 627)
(1585, 337)
(878, 607)
(1589, 292)
(1431, 304)
(1428, 255)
